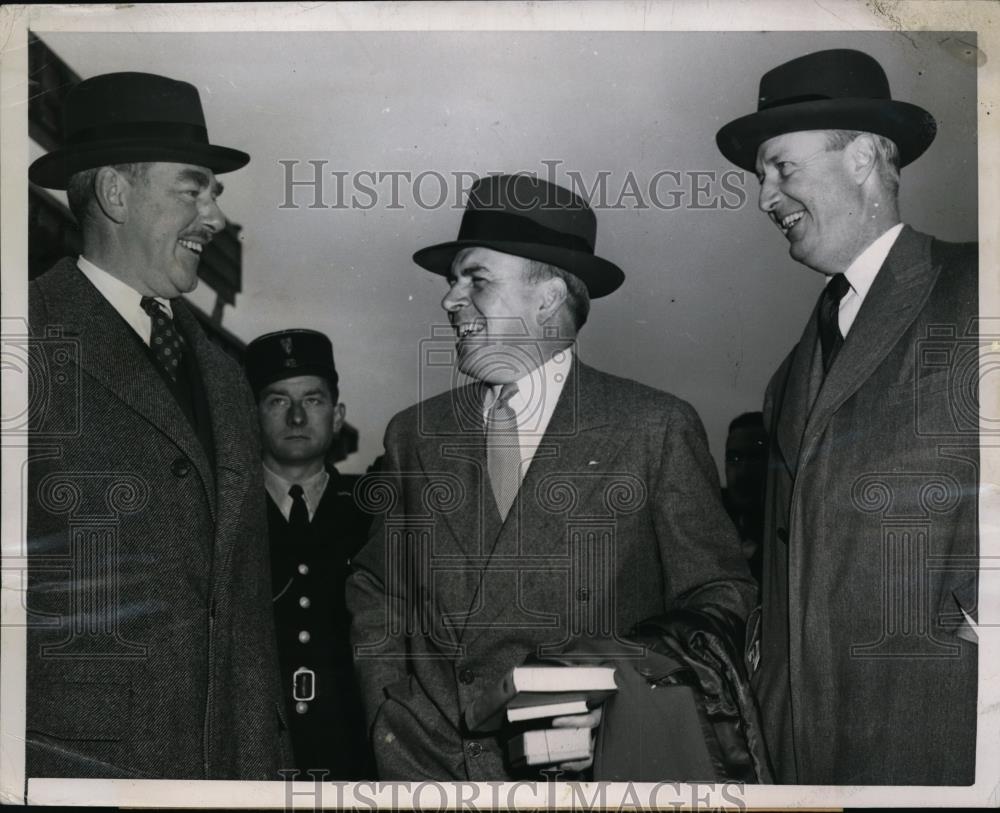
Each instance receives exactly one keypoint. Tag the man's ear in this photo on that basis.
(862, 157)
(339, 413)
(554, 293)
(111, 190)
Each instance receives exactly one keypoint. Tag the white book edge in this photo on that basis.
(563, 678)
(550, 745)
(515, 715)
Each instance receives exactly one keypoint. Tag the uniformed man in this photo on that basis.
(314, 530)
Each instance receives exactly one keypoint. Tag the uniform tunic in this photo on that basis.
(308, 574)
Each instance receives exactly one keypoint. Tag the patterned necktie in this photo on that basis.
(830, 336)
(298, 517)
(164, 340)
(503, 451)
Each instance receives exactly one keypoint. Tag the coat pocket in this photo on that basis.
(82, 711)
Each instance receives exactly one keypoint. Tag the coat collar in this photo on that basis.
(115, 359)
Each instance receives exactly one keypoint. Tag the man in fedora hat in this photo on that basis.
(867, 654)
(539, 507)
(151, 649)
(315, 528)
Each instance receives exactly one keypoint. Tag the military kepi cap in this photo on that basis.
(289, 353)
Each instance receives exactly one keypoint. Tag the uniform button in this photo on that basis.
(474, 749)
(180, 467)
(301, 707)
(583, 594)
(304, 602)
(783, 534)
(303, 569)
(467, 676)
(304, 637)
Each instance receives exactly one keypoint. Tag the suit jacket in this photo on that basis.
(871, 535)
(618, 518)
(151, 647)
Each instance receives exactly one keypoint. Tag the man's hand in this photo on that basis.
(591, 720)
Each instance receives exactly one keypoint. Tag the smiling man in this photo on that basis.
(315, 528)
(867, 655)
(150, 644)
(542, 507)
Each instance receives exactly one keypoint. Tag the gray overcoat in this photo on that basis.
(151, 646)
(871, 535)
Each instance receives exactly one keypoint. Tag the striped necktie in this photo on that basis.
(503, 450)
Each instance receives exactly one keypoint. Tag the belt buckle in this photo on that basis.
(303, 684)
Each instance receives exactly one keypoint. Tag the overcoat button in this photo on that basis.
(474, 749)
(304, 602)
(304, 637)
(180, 467)
(467, 676)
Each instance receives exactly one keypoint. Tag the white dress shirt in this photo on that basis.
(534, 402)
(312, 491)
(123, 298)
(861, 274)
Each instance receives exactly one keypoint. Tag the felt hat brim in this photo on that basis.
(54, 169)
(911, 127)
(599, 275)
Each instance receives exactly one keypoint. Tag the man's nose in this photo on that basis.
(455, 299)
(296, 413)
(212, 215)
(768, 198)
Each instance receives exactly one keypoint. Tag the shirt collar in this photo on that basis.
(537, 391)
(312, 489)
(119, 294)
(862, 272)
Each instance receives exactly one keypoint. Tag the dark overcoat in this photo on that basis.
(151, 648)
(871, 535)
(618, 518)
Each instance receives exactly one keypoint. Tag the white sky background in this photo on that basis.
(711, 301)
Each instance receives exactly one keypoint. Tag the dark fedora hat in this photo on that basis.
(838, 89)
(289, 353)
(121, 118)
(531, 218)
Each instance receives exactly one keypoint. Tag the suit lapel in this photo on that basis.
(451, 450)
(800, 386)
(114, 358)
(896, 297)
(233, 432)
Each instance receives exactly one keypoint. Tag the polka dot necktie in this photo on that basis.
(164, 340)
(503, 450)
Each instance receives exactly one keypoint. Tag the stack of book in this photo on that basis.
(538, 693)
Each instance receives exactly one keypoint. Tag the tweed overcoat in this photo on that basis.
(871, 535)
(151, 645)
(618, 518)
